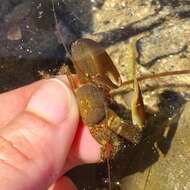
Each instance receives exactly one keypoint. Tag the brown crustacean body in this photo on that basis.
(98, 75)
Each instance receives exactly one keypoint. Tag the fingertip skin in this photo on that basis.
(52, 101)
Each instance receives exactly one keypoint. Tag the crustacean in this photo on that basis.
(98, 77)
(99, 82)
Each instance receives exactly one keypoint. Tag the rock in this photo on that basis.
(168, 39)
(170, 171)
(14, 33)
(4, 8)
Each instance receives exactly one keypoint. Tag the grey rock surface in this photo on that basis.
(168, 39)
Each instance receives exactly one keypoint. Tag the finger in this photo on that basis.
(84, 144)
(85, 149)
(14, 102)
(34, 145)
(63, 183)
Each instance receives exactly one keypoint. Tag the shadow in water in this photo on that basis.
(154, 60)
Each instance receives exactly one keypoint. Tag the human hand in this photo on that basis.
(41, 138)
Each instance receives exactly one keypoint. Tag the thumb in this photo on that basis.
(34, 146)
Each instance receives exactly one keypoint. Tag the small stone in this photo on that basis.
(14, 33)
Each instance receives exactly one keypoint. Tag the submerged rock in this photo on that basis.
(170, 171)
(166, 40)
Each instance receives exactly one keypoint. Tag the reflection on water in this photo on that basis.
(29, 47)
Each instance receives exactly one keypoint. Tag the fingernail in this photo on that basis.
(52, 101)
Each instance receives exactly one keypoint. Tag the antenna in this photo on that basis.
(153, 76)
(59, 33)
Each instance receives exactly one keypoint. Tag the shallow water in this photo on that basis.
(30, 50)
